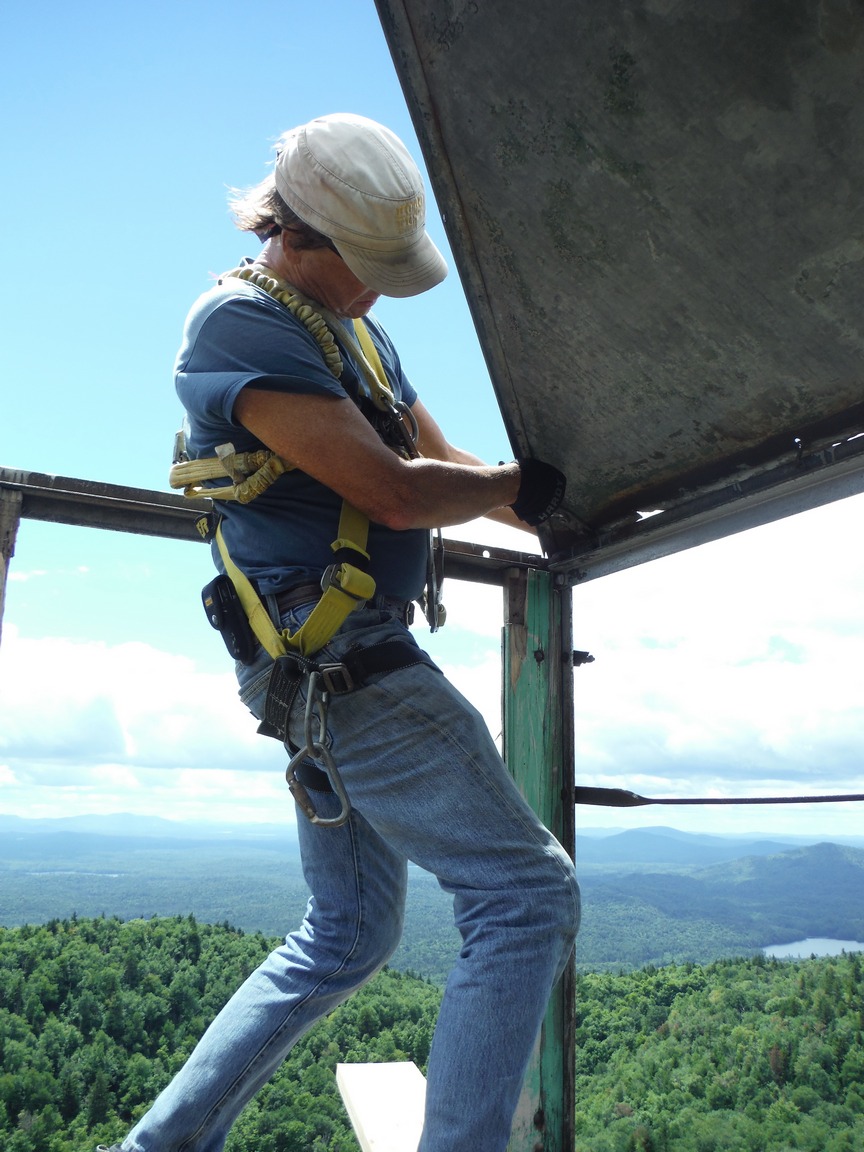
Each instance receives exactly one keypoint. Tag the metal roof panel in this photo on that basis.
(655, 209)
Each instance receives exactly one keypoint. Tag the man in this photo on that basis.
(270, 360)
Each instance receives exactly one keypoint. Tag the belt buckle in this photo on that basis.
(403, 610)
(336, 678)
(364, 585)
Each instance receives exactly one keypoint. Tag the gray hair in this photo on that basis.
(263, 211)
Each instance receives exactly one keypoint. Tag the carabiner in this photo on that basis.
(406, 426)
(316, 748)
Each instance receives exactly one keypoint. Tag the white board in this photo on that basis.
(385, 1104)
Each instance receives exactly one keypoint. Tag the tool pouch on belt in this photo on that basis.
(226, 614)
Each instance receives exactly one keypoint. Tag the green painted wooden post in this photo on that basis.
(537, 707)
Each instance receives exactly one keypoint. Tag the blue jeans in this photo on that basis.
(426, 784)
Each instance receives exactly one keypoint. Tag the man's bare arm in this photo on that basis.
(329, 439)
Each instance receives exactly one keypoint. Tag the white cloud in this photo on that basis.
(16, 576)
(730, 670)
(474, 609)
(87, 703)
(192, 794)
(89, 727)
(480, 683)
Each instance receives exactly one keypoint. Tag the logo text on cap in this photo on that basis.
(409, 214)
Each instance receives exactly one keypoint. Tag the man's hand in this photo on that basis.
(541, 491)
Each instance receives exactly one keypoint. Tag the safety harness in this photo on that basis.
(346, 584)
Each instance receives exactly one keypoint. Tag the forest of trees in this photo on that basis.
(748, 1055)
(743, 1055)
(96, 1016)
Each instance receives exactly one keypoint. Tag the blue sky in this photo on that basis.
(727, 670)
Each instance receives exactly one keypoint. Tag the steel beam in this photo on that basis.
(92, 504)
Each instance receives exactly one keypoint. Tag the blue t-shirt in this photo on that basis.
(238, 335)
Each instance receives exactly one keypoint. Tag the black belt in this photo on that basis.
(290, 598)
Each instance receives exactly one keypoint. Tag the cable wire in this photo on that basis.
(621, 798)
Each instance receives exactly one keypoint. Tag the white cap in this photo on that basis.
(354, 181)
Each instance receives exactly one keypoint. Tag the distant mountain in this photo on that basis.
(726, 909)
(649, 895)
(827, 880)
(654, 846)
(796, 841)
(128, 825)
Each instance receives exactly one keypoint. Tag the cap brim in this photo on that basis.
(406, 273)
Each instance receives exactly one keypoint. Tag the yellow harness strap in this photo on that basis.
(346, 587)
(269, 638)
(371, 353)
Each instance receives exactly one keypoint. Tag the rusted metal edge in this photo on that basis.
(798, 484)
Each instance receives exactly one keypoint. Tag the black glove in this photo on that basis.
(541, 490)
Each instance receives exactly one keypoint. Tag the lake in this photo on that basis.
(815, 946)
